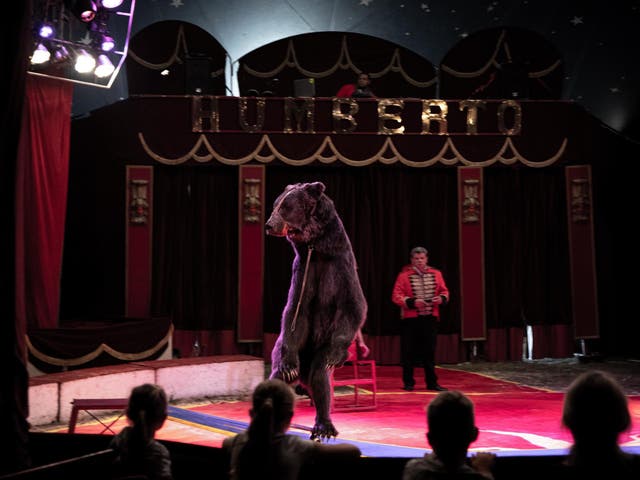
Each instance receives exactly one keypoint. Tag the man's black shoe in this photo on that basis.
(408, 388)
(437, 388)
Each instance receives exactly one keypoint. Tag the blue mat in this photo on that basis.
(368, 449)
(235, 426)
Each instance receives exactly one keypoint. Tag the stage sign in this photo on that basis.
(471, 221)
(139, 236)
(251, 252)
(584, 294)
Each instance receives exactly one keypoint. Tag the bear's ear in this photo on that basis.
(315, 188)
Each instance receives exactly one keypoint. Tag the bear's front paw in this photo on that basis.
(323, 431)
(288, 375)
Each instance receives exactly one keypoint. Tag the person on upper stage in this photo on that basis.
(360, 89)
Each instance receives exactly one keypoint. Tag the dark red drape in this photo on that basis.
(195, 244)
(14, 386)
(41, 199)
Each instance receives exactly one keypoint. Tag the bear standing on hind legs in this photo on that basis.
(325, 307)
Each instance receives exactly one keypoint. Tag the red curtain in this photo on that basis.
(41, 199)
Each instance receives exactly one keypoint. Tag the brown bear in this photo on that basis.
(325, 307)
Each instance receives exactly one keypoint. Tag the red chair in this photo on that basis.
(356, 373)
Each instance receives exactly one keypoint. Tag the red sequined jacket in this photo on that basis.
(411, 285)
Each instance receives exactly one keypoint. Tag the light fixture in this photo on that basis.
(60, 54)
(85, 62)
(111, 3)
(81, 41)
(40, 55)
(84, 10)
(107, 43)
(105, 67)
(46, 30)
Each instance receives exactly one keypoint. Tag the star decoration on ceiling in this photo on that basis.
(177, 3)
(86, 40)
(576, 21)
(365, 2)
(425, 7)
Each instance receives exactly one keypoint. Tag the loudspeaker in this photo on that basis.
(198, 79)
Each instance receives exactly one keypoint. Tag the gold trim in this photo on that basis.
(74, 362)
(492, 61)
(344, 62)
(181, 47)
(443, 156)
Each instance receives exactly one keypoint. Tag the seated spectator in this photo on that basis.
(360, 89)
(138, 454)
(266, 451)
(596, 412)
(451, 429)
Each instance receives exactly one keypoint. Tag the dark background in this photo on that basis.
(596, 40)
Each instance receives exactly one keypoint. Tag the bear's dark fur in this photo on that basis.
(323, 316)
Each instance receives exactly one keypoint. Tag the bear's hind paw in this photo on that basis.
(323, 431)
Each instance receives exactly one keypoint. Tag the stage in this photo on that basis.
(514, 418)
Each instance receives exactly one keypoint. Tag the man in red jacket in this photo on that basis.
(419, 291)
(362, 88)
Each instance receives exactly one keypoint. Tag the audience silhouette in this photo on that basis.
(266, 451)
(596, 412)
(451, 429)
(139, 454)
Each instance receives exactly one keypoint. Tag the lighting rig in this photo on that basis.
(81, 41)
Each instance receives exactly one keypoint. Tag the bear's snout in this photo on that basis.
(274, 228)
(268, 229)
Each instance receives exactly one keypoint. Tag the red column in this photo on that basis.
(139, 235)
(251, 252)
(471, 227)
(584, 293)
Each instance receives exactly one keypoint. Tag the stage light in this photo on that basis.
(105, 67)
(60, 54)
(85, 10)
(46, 30)
(81, 31)
(85, 62)
(107, 43)
(111, 3)
(40, 55)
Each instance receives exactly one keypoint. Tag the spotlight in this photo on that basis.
(60, 54)
(105, 67)
(107, 43)
(85, 10)
(82, 41)
(111, 3)
(85, 63)
(40, 55)
(46, 30)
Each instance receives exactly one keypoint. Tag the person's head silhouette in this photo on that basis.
(595, 410)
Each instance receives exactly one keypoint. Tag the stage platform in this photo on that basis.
(515, 419)
(51, 396)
